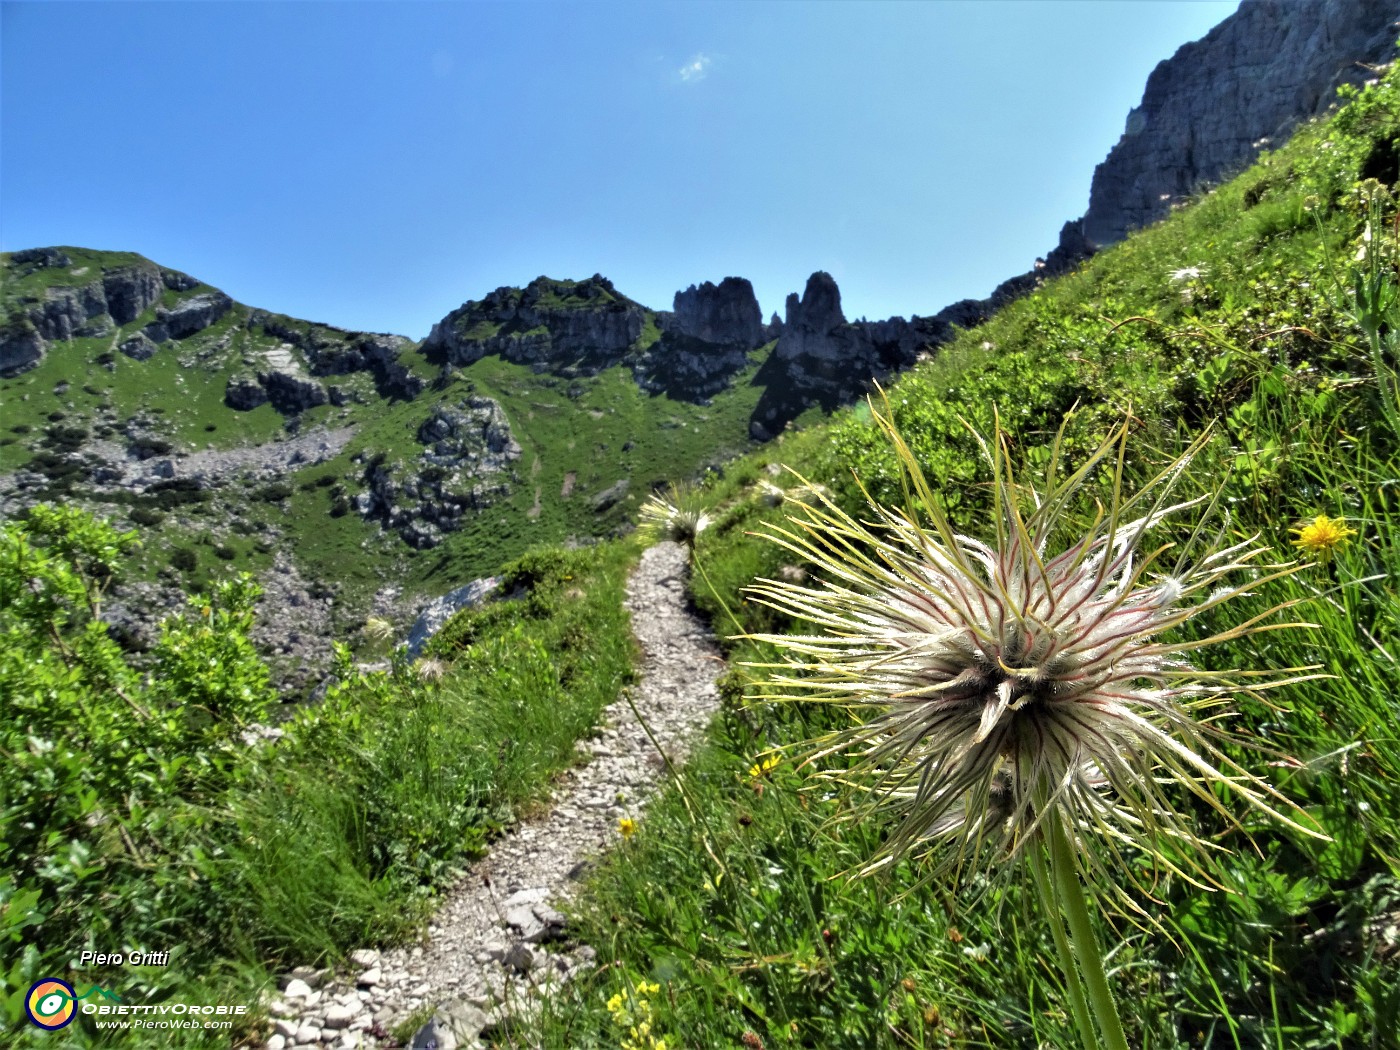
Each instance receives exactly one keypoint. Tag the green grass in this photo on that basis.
(733, 896)
(340, 834)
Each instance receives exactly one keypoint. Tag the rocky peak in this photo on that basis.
(726, 314)
(705, 341)
(819, 309)
(566, 327)
(1209, 109)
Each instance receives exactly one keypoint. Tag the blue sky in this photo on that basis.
(374, 165)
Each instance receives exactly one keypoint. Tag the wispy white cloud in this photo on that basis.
(696, 69)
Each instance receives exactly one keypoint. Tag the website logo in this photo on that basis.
(51, 1003)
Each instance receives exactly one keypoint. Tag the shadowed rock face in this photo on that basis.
(823, 359)
(130, 291)
(21, 347)
(191, 316)
(725, 314)
(705, 341)
(1210, 108)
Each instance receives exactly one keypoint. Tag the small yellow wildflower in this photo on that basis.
(627, 826)
(1322, 536)
(762, 769)
(615, 1003)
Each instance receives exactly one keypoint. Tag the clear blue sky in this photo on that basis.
(375, 165)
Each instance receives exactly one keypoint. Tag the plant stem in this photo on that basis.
(1051, 906)
(1076, 914)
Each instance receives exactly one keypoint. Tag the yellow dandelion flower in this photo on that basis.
(762, 769)
(627, 826)
(1322, 537)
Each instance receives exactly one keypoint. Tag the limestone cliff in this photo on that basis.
(1209, 109)
(705, 340)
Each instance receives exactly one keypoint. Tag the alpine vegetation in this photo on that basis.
(1036, 691)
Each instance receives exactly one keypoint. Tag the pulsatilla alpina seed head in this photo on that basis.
(993, 682)
(679, 515)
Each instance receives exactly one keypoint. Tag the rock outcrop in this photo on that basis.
(705, 340)
(131, 291)
(1209, 109)
(21, 346)
(31, 259)
(569, 328)
(63, 311)
(290, 390)
(190, 316)
(465, 466)
(138, 347)
(245, 393)
(332, 351)
(724, 314)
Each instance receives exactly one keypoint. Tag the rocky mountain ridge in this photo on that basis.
(126, 349)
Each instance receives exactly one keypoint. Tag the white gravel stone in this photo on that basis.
(340, 1015)
(308, 1033)
(296, 989)
(275, 1042)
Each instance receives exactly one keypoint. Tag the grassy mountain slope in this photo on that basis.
(579, 438)
(1246, 313)
(592, 445)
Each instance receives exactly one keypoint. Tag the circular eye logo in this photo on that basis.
(49, 1003)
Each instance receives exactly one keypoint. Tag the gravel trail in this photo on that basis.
(497, 942)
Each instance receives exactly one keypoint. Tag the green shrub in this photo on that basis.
(146, 516)
(112, 778)
(273, 493)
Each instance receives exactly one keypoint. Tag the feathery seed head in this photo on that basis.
(430, 669)
(378, 628)
(1186, 273)
(991, 681)
(680, 515)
